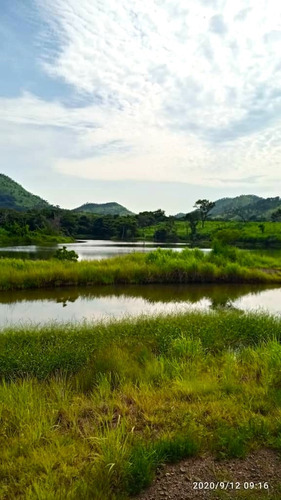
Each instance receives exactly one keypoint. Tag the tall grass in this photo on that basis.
(43, 351)
(162, 266)
(90, 411)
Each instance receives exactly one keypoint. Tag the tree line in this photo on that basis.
(56, 222)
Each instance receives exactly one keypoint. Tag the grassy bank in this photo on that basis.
(34, 239)
(223, 264)
(18, 232)
(89, 411)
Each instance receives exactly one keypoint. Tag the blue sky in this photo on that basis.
(145, 102)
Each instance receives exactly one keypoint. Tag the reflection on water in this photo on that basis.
(86, 249)
(96, 303)
(99, 249)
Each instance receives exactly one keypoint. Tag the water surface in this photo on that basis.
(86, 249)
(96, 303)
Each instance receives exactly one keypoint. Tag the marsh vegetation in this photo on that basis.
(223, 264)
(90, 411)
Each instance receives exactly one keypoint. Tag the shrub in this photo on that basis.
(64, 254)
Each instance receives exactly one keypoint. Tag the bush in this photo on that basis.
(64, 254)
(228, 236)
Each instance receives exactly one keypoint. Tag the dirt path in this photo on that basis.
(178, 482)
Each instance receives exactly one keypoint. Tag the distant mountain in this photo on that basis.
(245, 207)
(180, 215)
(13, 195)
(110, 208)
(224, 205)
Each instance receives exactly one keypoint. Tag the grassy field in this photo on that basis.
(246, 234)
(223, 264)
(90, 411)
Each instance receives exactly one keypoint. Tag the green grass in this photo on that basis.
(32, 238)
(90, 411)
(249, 234)
(223, 264)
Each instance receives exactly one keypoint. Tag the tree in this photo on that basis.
(126, 227)
(276, 216)
(193, 220)
(164, 233)
(64, 254)
(150, 218)
(245, 213)
(204, 207)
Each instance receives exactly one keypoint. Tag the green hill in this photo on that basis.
(225, 205)
(13, 195)
(180, 215)
(110, 208)
(245, 207)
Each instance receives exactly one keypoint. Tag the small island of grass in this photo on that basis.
(222, 264)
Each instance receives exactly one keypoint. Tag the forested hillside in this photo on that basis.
(14, 196)
(246, 208)
(110, 208)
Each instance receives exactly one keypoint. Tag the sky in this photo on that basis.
(149, 103)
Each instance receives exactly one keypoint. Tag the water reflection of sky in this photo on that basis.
(269, 300)
(95, 308)
(86, 249)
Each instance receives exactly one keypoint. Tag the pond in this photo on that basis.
(86, 249)
(96, 303)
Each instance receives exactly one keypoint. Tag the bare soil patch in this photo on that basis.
(268, 270)
(177, 482)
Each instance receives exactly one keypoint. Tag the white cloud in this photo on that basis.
(177, 91)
